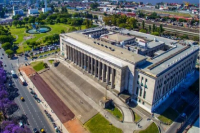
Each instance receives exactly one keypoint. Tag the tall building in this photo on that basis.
(149, 79)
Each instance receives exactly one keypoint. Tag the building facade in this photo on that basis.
(149, 81)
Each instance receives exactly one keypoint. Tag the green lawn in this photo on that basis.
(21, 32)
(168, 116)
(136, 117)
(151, 129)
(116, 112)
(51, 61)
(98, 124)
(38, 65)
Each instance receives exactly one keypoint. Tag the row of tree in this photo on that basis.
(7, 107)
(121, 20)
(6, 39)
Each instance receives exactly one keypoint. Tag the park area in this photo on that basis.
(98, 124)
(22, 37)
(116, 112)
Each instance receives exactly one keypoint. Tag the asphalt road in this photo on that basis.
(30, 107)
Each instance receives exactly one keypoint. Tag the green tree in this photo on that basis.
(155, 33)
(6, 46)
(94, 5)
(62, 31)
(9, 52)
(154, 27)
(64, 9)
(196, 38)
(143, 31)
(161, 28)
(150, 28)
(143, 24)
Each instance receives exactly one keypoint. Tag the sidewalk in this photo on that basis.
(45, 105)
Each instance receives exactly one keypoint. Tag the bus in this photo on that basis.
(13, 74)
(23, 82)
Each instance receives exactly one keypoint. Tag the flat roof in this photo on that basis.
(153, 44)
(88, 44)
(116, 37)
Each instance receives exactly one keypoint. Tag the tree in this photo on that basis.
(161, 28)
(62, 31)
(64, 9)
(9, 52)
(196, 38)
(150, 28)
(154, 27)
(94, 5)
(6, 38)
(143, 24)
(95, 17)
(143, 31)
(87, 23)
(155, 33)
(6, 46)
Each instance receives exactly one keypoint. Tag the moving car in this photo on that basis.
(22, 98)
(42, 130)
(35, 130)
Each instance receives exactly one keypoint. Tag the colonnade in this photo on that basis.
(92, 65)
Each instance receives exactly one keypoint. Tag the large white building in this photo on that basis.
(33, 11)
(149, 80)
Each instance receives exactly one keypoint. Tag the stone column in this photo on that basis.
(88, 64)
(77, 57)
(68, 55)
(108, 75)
(82, 60)
(104, 72)
(92, 66)
(85, 61)
(95, 68)
(99, 70)
(74, 55)
(113, 78)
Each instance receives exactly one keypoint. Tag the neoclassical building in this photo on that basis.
(148, 80)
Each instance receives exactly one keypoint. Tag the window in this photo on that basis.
(145, 86)
(141, 84)
(146, 80)
(143, 103)
(141, 92)
(139, 100)
(137, 91)
(137, 82)
(142, 78)
(138, 76)
(144, 95)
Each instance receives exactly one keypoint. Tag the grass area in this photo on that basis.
(151, 129)
(195, 87)
(182, 106)
(38, 65)
(98, 124)
(116, 112)
(168, 116)
(136, 117)
(51, 61)
(21, 33)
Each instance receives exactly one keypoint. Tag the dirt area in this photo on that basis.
(66, 91)
(28, 70)
(74, 126)
(56, 104)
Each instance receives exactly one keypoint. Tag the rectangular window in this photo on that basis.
(144, 95)
(140, 92)
(137, 90)
(146, 80)
(143, 103)
(142, 78)
(138, 76)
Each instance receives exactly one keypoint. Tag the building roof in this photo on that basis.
(116, 37)
(103, 49)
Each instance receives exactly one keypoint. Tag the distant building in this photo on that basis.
(18, 12)
(47, 9)
(33, 11)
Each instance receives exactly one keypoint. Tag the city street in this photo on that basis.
(29, 107)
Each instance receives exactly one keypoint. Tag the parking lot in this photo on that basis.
(65, 90)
